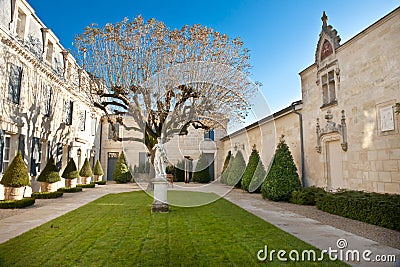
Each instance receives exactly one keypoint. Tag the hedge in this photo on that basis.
(307, 195)
(70, 190)
(17, 204)
(101, 182)
(47, 195)
(378, 209)
(91, 185)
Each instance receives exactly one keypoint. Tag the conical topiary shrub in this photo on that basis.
(225, 168)
(121, 172)
(254, 174)
(236, 171)
(98, 171)
(202, 172)
(15, 179)
(86, 172)
(70, 174)
(282, 178)
(48, 176)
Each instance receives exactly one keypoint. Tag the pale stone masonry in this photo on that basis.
(44, 109)
(350, 128)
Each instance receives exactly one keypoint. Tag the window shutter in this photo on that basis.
(1, 148)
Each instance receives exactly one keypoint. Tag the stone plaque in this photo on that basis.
(386, 119)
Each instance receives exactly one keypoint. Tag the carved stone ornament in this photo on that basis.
(332, 127)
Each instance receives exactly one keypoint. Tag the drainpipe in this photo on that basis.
(303, 172)
(101, 137)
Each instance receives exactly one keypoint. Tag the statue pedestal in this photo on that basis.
(160, 203)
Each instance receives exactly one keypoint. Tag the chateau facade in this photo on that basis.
(347, 118)
(44, 110)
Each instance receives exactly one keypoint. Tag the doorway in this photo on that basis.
(334, 163)
(111, 163)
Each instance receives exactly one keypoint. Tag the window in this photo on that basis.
(82, 120)
(68, 110)
(46, 107)
(209, 135)
(36, 156)
(21, 22)
(59, 156)
(111, 133)
(6, 156)
(14, 84)
(328, 88)
(49, 54)
(93, 126)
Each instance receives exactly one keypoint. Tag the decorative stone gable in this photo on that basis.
(328, 42)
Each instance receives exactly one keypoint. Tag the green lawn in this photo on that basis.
(119, 230)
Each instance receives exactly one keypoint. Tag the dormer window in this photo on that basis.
(49, 54)
(21, 22)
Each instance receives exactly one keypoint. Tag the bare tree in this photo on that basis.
(167, 80)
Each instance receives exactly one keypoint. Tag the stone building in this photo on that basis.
(348, 94)
(44, 108)
(349, 127)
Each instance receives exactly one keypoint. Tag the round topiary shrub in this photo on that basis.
(121, 172)
(86, 170)
(16, 174)
(202, 172)
(50, 172)
(70, 172)
(282, 178)
(234, 176)
(98, 170)
(254, 174)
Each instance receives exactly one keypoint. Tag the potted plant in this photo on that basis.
(98, 171)
(70, 174)
(49, 177)
(86, 172)
(15, 179)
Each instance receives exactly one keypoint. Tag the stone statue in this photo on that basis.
(160, 159)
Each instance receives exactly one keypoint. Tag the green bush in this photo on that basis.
(86, 170)
(254, 174)
(47, 195)
(98, 170)
(121, 172)
(101, 182)
(91, 185)
(307, 195)
(16, 174)
(50, 172)
(70, 190)
(282, 178)
(180, 171)
(202, 172)
(378, 209)
(226, 167)
(17, 204)
(70, 171)
(234, 177)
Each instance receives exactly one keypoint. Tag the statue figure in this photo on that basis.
(160, 159)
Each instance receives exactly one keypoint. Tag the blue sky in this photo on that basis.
(281, 35)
